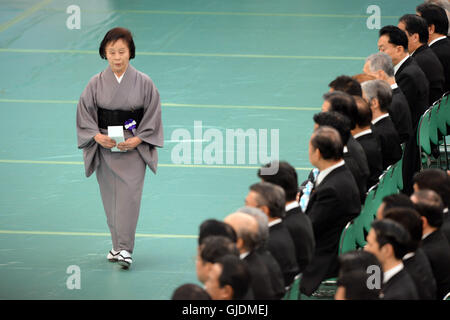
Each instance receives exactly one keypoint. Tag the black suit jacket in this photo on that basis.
(275, 274)
(372, 148)
(437, 249)
(301, 231)
(400, 287)
(432, 67)
(282, 248)
(400, 114)
(390, 142)
(356, 161)
(260, 278)
(333, 203)
(419, 269)
(442, 50)
(414, 84)
(446, 226)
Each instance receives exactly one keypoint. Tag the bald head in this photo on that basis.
(246, 228)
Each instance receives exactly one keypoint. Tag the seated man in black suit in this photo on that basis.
(429, 205)
(415, 261)
(354, 156)
(356, 272)
(379, 65)
(368, 141)
(388, 241)
(346, 84)
(246, 228)
(438, 41)
(271, 200)
(439, 181)
(275, 274)
(229, 279)
(379, 96)
(298, 223)
(333, 203)
(212, 248)
(416, 30)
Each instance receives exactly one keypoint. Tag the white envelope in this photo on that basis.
(116, 133)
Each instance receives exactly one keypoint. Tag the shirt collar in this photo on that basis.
(244, 255)
(426, 235)
(408, 255)
(380, 118)
(394, 86)
(362, 133)
(392, 272)
(436, 40)
(274, 222)
(398, 65)
(292, 205)
(327, 171)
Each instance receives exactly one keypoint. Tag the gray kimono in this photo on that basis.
(120, 174)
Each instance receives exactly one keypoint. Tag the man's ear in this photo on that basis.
(424, 222)
(227, 292)
(431, 29)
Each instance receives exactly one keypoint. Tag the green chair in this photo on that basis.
(423, 133)
(433, 128)
(397, 174)
(347, 241)
(438, 115)
(294, 290)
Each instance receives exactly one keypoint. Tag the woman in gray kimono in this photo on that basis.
(120, 96)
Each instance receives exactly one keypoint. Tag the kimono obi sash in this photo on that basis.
(118, 117)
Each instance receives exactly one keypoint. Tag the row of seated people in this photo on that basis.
(290, 233)
(254, 253)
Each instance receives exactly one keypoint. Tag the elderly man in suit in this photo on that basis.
(379, 65)
(246, 228)
(270, 198)
(333, 203)
(416, 30)
(297, 222)
(378, 95)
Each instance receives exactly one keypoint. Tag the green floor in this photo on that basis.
(237, 64)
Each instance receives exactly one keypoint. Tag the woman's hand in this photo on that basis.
(104, 141)
(129, 144)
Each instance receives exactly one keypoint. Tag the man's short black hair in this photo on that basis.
(429, 205)
(272, 196)
(410, 220)
(390, 232)
(346, 84)
(396, 36)
(397, 200)
(343, 103)
(286, 178)
(190, 291)
(355, 284)
(434, 15)
(329, 142)
(416, 24)
(437, 180)
(334, 120)
(364, 118)
(236, 274)
(214, 247)
(213, 227)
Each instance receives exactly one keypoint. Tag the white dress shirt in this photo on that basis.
(398, 65)
(392, 272)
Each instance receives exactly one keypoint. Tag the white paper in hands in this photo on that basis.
(116, 133)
